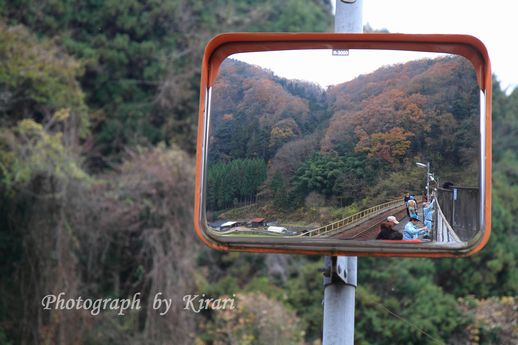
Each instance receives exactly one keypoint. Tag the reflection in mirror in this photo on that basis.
(368, 145)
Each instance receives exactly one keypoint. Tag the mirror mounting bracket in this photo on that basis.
(339, 270)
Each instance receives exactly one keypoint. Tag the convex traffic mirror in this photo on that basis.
(345, 144)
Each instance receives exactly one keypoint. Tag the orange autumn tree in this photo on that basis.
(390, 146)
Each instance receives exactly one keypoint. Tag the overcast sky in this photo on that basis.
(320, 66)
(493, 22)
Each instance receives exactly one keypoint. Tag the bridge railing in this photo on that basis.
(443, 230)
(326, 229)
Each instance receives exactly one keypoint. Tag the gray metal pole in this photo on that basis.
(339, 296)
(349, 16)
(341, 280)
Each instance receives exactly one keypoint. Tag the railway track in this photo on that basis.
(369, 229)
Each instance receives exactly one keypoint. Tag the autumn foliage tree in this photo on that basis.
(390, 146)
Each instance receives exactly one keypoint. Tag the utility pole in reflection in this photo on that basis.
(340, 273)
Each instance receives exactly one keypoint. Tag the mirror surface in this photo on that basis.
(322, 144)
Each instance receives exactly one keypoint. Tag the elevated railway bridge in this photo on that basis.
(453, 220)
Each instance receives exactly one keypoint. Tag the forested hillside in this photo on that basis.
(352, 145)
(98, 109)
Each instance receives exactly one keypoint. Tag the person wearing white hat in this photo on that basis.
(392, 219)
(387, 232)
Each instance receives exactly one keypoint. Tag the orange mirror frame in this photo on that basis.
(224, 45)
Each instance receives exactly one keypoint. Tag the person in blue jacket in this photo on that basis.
(428, 211)
(412, 231)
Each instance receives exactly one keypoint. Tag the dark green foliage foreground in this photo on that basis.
(98, 105)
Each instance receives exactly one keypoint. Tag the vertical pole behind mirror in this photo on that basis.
(349, 16)
(339, 298)
(340, 282)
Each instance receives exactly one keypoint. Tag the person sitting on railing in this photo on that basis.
(412, 231)
(387, 233)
